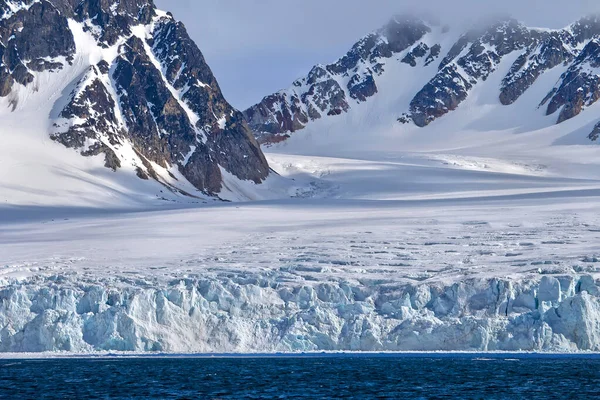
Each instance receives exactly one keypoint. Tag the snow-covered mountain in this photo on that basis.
(429, 203)
(123, 83)
(435, 68)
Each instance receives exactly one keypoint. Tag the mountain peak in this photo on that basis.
(139, 91)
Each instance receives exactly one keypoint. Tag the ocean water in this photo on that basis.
(310, 377)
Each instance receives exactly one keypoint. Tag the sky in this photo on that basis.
(257, 47)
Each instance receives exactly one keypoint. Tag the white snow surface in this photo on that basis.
(477, 233)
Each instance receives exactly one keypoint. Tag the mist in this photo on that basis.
(256, 47)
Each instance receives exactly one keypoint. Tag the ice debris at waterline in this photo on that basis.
(241, 314)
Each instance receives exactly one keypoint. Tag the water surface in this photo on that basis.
(310, 377)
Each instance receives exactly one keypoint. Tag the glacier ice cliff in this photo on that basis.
(239, 313)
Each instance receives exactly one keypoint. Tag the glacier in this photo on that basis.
(257, 314)
(516, 273)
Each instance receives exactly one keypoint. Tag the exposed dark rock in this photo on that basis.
(403, 31)
(103, 67)
(434, 53)
(369, 46)
(109, 20)
(22, 75)
(327, 95)
(585, 29)
(202, 172)
(141, 174)
(43, 65)
(487, 51)
(6, 79)
(420, 51)
(580, 85)
(549, 53)
(439, 96)
(92, 104)
(278, 113)
(230, 141)
(186, 68)
(405, 119)
(37, 32)
(236, 150)
(595, 133)
(111, 160)
(417, 52)
(361, 87)
(150, 111)
(98, 119)
(28, 38)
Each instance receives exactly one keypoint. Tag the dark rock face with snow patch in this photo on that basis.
(36, 38)
(439, 96)
(229, 143)
(549, 52)
(109, 20)
(156, 107)
(96, 116)
(580, 85)
(473, 58)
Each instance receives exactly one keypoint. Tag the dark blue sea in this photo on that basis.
(310, 377)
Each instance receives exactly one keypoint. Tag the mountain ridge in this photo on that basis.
(467, 62)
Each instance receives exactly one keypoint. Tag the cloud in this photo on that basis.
(256, 47)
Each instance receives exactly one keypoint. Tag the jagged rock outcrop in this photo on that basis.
(34, 36)
(420, 51)
(109, 21)
(152, 102)
(97, 118)
(331, 90)
(579, 86)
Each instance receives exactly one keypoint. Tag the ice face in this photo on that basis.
(235, 314)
